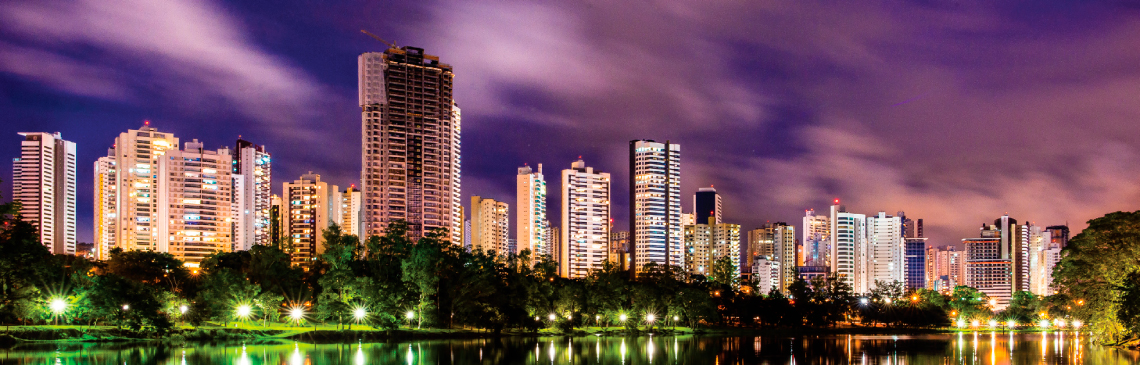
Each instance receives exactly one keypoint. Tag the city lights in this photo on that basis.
(243, 311)
(552, 317)
(622, 317)
(410, 315)
(182, 309)
(864, 301)
(993, 323)
(649, 318)
(57, 306)
(359, 313)
(297, 313)
(1076, 324)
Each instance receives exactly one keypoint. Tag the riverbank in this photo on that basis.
(247, 332)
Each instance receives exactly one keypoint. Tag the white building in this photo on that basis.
(311, 206)
(816, 239)
(136, 154)
(489, 225)
(655, 212)
(252, 171)
(585, 220)
(530, 201)
(766, 274)
(883, 255)
(410, 131)
(44, 183)
(106, 205)
(849, 230)
(195, 202)
(1050, 256)
(351, 213)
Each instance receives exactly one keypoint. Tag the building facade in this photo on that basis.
(311, 206)
(655, 210)
(882, 257)
(530, 221)
(196, 203)
(585, 220)
(848, 231)
(410, 130)
(489, 225)
(44, 182)
(351, 215)
(106, 205)
(915, 263)
(709, 242)
(706, 204)
(989, 266)
(816, 240)
(253, 171)
(136, 155)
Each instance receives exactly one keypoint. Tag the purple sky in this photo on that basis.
(951, 112)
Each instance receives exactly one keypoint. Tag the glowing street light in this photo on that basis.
(410, 315)
(676, 318)
(864, 301)
(359, 313)
(974, 323)
(993, 302)
(961, 323)
(1076, 324)
(1043, 324)
(552, 316)
(126, 307)
(993, 323)
(182, 309)
(243, 311)
(1060, 323)
(650, 318)
(622, 317)
(1010, 324)
(297, 313)
(57, 306)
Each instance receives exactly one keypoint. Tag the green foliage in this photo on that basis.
(724, 272)
(1129, 305)
(1024, 307)
(159, 270)
(1093, 274)
(969, 304)
(128, 303)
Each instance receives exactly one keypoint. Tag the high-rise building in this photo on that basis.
(276, 227)
(761, 243)
(816, 240)
(945, 268)
(915, 263)
(882, 257)
(1040, 270)
(619, 249)
(530, 222)
(912, 228)
(766, 274)
(709, 242)
(136, 155)
(1059, 235)
(707, 203)
(585, 220)
(1050, 257)
(467, 234)
(553, 234)
(44, 183)
(989, 262)
(655, 209)
(253, 170)
(311, 206)
(351, 213)
(848, 231)
(489, 225)
(195, 202)
(106, 205)
(411, 128)
(784, 251)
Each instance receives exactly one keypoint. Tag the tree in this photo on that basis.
(128, 303)
(1094, 270)
(422, 271)
(968, 303)
(1129, 306)
(724, 272)
(157, 269)
(340, 289)
(1024, 307)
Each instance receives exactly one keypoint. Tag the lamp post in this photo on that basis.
(58, 306)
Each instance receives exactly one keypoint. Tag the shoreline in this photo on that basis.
(18, 335)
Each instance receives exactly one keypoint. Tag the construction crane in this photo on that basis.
(390, 45)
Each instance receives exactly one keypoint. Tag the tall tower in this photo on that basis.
(106, 205)
(708, 242)
(848, 231)
(195, 202)
(253, 167)
(310, 206)
(44, 182)
(884, 255)
(585, 220)
(351, 214)
(137, 153)
(655, 210)
(530, 223)
(816, 239)
(410, 129)
(489, 225)
(706, 203)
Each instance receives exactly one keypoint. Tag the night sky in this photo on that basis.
(952, 112)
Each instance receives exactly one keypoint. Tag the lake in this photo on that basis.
(963, 348)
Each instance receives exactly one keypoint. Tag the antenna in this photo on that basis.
(390, 45)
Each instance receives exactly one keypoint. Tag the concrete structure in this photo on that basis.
(530, 222)
(882, 257)
(276, 227)
(44, 183)
(136, 155)
(585, 220)
(253, 170)
(707, 243)
(915, 262)
(1050, 256)
(707, 204)
(106, 205)
(619, 249)
(489, 225)
(351, 213)
(1059, 234)
(816, 240)
(848, 231)
(945, 268)
(766, 274)
(989, 264)
(196, 206)
(655, 209)
(761, 243)
(311, 206)
(410, 130)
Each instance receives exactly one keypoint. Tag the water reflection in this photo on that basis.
(983, 347)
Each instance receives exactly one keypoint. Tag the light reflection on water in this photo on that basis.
(961, 348)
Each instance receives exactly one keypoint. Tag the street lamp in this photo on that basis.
(297, 313)
(243, 311)
(993, 323)
(864, 301)
(359, 313)
(1010, 324)
(126, 306)
(650, 318)
(552, 316)
(57, 306)
(410, 315)
(1076, 324)
(182, 309)
(622, 317)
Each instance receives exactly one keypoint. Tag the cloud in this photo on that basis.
(191, 52)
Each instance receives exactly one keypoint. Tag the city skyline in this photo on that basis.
(824, 157)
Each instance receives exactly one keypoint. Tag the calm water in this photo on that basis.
(967, 348)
